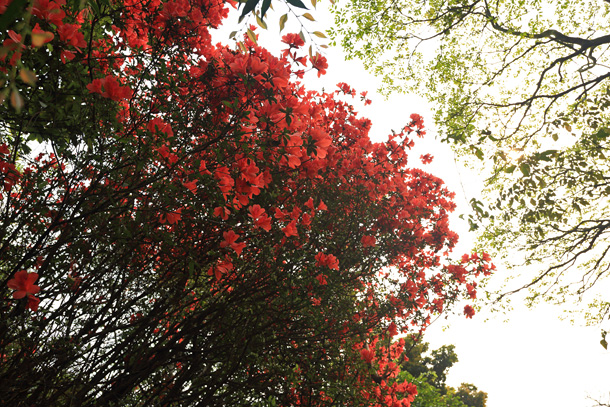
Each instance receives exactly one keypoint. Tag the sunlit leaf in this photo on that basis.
(525, 169)
(261, 23)
(16, 100)
(28, 76)
(309, 17)
(251, 35)
(283, 20)
(39, 39)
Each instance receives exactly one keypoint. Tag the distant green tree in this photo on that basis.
(471, 396)
(428, 371)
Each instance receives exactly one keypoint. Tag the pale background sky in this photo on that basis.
(532, 360)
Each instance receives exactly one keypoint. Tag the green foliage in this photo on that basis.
(526, 93)
(471, 396)
(428, 371)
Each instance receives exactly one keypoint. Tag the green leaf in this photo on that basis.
(319, 34)
(11, 14)
(546, 155)
(251, 35)
(265, 7)
(250, 5)
(525, 169)
(296, 3)
(604, 343)
(261, 23)
(283, 20)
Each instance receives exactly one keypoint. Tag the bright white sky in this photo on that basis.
(532, 360)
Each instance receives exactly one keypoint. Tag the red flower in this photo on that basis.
(367, 355)
(426, 159)
(329, 261)
(222, 212)
(24, 284)
(4, 5)
(173, 217)
(468, 311)
(230, 240)
(417, 120)
(368, 241)
(33, 302)
(256, 212)
(291, 229)
(319, 62)
(191, 186)
(392, 329)
(109, 88)
(264, 223)
(293, 40)
(69, 34)
(49, 10)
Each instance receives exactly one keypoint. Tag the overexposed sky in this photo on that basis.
(532, 360)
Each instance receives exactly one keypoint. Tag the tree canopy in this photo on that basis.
(522, 86)
(428, 370)
(183, 223)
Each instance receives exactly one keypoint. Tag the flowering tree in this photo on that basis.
(199, 229)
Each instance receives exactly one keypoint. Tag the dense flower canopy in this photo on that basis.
(206, 230)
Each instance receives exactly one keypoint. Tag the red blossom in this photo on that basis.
(291, 229)
(33, 303)
(23, 283)
(468, 311)
(222, 212)
(4, 5)
(368, 241)
(49, 10)
(191, 186)
(173, 217)
(327, 260)
(293, 40)
(367, 355)
(109, 88)
(319, 63)
(70, 34)
(426, 158)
